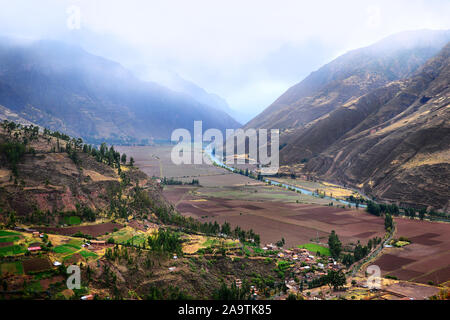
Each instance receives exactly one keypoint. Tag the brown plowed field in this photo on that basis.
(36, 265)
(272, 220)
(92, 230)
(426, 259)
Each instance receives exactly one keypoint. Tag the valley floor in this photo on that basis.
(276, 213)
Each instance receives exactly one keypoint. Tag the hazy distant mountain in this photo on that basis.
(175, 82)
(113, 48)
(65, 88)
(350, 76)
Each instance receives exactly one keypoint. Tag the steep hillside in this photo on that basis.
(349, 77)
(66, 203)
(393, 143)
(65, 88)
(45, 177)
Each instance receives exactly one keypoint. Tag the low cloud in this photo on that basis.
(249, 52)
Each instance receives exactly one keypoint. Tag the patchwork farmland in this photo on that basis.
(300, 219)
(426, 260)
(297, 223)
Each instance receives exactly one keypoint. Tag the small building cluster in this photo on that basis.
(306, 267)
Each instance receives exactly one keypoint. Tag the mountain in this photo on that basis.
(65, 88)
(375, 119)
(393, 143)
(116, 49)
(175, 82)
(349, 77)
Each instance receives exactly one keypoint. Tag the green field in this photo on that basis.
(9, 239)
(76, 243)
(11, 250)
(314, 248)
(33, 287)
(66, 248)
(15, 267)
(137, 240)
(120, 236)
(88, 254)
(4, 233)
(211, 242)
(127, 236)
(73, 220)
(259, 193)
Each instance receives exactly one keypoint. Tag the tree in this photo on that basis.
(281, 243)
(335, 245)
(360, 252)
(14, 152)
(12, 219)
(388, 222)
(422, 213)
(292, 297)
(370, 244)
(226, 228)
(131, 161)
(124, 158)
(336, 279)
(373, 208)
(348, 260)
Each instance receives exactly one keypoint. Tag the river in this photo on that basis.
(219, 162)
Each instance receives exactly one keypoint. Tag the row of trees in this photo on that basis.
(165, 241)
(357, 200)
(359, 252)
(388, 222)
(378, 209)
(393, 210)
(74, 145)
(13, 152)
(168, 216)
(16, 146)
(172, 181)
(22, 133)
(233, 292)
(334, 279)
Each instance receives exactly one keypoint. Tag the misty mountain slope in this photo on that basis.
(399, 147)
(349, 77)
(65, 88)
(176, 83)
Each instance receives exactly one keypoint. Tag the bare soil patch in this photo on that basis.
(36, 265)
(6, 244)
(437, 277)
(426, 259)
(45, 283)
(391, 262)
(92, 230)
(297, 223)
(426, 239)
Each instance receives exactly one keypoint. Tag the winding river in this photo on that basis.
(220, 163)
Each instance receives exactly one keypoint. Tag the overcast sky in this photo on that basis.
(247, 51)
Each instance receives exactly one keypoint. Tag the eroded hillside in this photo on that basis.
(45, 176)
(392, 142)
